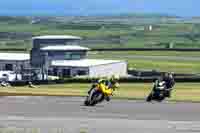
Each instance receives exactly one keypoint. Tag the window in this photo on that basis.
(73, 55)
(81, 72)
(76, 56)
(68, 56)
(9, 67)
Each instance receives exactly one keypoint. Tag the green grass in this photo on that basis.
(162, 33)
(175, 65)
(164, 65)
(182, 91)
(42, 29)
(145, 53)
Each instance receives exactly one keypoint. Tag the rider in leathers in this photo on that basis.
(107, 86)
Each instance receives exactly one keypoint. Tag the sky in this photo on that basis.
(184, 8)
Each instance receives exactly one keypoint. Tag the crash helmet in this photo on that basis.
(168, 75)
(165, 75)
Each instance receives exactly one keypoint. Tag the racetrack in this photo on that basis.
(68, 115)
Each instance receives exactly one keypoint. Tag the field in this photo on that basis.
(104, 32)
(179, 62)
(182, 91)
(146, 53)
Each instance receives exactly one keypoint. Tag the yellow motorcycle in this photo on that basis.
(98, 93)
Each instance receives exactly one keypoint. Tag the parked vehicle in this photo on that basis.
(9, 76)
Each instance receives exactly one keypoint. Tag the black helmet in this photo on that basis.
(168, 75)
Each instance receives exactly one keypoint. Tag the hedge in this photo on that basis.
(90, 80)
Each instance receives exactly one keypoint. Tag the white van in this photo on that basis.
(10, 76)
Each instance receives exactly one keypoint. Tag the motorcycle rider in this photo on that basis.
(107, 86)
(170, 82)
(157, 81)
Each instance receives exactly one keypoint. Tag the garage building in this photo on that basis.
(71, 60)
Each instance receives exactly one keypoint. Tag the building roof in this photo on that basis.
(14, 56)
(82, 63)
(64, 47)
(66, 37)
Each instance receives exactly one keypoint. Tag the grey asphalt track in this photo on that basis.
(68, 115)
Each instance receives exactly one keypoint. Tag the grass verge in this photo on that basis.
(174, 65)
(182, 91)
(145, 53)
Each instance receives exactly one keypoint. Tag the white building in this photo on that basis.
(62, 56)
(70, 60)
(90, 67)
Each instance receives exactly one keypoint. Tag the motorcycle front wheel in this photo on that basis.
(149, 98)
(91, 99)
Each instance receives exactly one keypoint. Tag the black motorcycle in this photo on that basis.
(159, 92)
